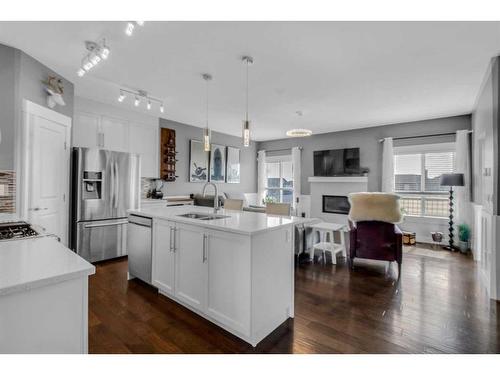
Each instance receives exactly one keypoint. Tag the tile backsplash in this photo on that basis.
(7, 192)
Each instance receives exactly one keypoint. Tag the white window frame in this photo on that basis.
(280, 159)
(423, 194)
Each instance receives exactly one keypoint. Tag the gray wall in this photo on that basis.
(485, 141)
(184, 133)
(7, 105)
(21, 78)
(367, 141)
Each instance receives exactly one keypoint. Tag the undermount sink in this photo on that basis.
(203, 216)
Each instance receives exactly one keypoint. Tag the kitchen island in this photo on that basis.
(235, 269)
(43, 297)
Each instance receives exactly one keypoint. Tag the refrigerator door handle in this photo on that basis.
(105, 224)
(117, 185)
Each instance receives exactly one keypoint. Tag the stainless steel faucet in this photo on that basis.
(216, 195)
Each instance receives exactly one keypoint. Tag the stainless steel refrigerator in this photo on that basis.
(105, 184)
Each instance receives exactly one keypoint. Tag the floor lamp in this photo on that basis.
(451, 179)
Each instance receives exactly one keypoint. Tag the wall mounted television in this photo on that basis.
(342, 162)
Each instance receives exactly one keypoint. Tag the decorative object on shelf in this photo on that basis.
(156, 193)
(168, 155)
(198, 162)
(129, 29)
(55, 90)
(217, 163)
(451, 179)
(409, 238)
(97, 52)
(206, 131)
(463, 238)
(247, 60)
(299, 132)
(141, 96)
(233, 165)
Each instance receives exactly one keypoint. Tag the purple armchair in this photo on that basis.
(376, 240)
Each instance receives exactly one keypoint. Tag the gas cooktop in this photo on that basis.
(16, 230)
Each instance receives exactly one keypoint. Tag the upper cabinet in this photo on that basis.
(115, 134)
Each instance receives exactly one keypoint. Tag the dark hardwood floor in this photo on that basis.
(437, 307)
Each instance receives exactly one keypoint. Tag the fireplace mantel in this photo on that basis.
(362, 179)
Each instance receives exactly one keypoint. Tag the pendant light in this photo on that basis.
(248, 60)
(206, 132)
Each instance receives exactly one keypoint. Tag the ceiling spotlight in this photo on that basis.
(81, 72)
(129, 30)
(121, 97)
(136, 101)
(161, 108)
(140, 23)
(94, 59)
(149, 104)
(104, 51)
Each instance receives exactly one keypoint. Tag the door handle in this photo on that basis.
(204, 255)
(38, 209)
(117, 185)
(106, 224)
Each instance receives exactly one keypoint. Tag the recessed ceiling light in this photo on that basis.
(299, 133)
(129, 30)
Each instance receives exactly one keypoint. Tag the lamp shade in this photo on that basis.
(452, 179)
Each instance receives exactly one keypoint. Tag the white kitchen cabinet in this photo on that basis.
(228, 299)
(143, 140)
(86, 130)
(114, 134)
(190, 270)
(163, 271)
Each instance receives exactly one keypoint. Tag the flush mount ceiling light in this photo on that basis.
(300, 132)
(129, 29)
(97, 52)
(206, 131)
(140, 96)
(247, 60)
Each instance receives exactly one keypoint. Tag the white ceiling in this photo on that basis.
(341, 75)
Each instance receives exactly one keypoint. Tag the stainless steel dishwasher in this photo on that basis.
(139, 247)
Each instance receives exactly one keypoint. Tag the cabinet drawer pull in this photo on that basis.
(171, 238)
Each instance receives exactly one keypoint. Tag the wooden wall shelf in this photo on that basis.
(168, 155)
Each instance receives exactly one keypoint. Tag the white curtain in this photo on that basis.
(462, 208)
(296, 167)
(388, 166)
(261, 176)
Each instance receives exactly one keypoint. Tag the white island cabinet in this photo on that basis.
(237, 271)
(43, 297)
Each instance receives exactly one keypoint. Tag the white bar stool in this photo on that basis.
(328, 245)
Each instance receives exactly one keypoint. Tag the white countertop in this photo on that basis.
(30, 263)
(241, 222)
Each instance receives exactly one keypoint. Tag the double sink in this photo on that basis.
(203, 216)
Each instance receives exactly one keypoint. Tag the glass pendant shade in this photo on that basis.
(246, 133)
(206, 139)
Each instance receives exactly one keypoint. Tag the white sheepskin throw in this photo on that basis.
(375, 207)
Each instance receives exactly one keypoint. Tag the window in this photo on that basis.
(279, 177)
(417, 170)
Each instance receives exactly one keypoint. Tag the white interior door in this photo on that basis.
(48, 170)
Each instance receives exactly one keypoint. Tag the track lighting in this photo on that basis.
(96, 53)
(139, 96)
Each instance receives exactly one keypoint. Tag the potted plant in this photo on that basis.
(463, 237)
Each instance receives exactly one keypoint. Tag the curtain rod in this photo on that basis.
(423, 136)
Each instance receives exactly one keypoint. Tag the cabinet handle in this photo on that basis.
(171, 238)
(204, 256)
(175, 239)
